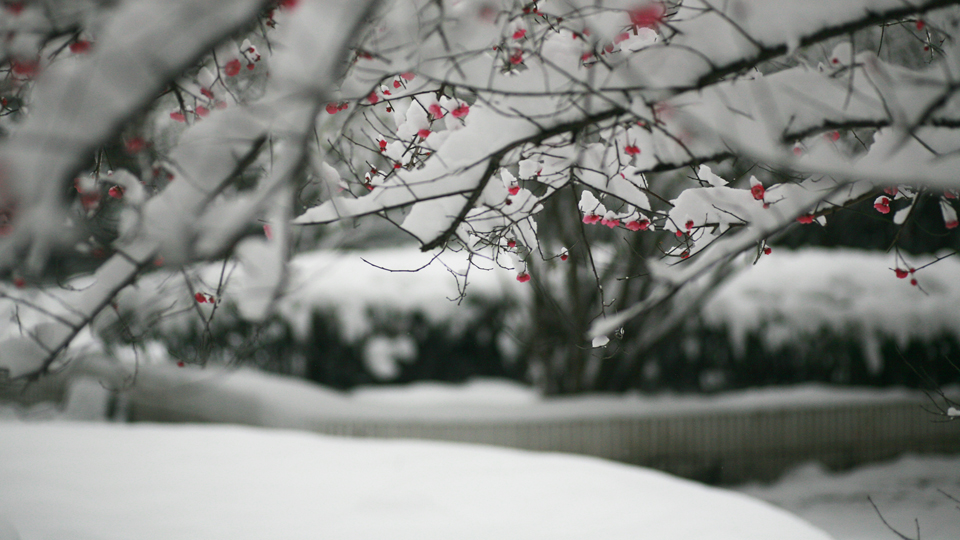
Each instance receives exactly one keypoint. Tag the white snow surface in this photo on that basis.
(108, 481)
(910, 488)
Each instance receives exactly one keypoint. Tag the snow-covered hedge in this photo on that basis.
(809, 315)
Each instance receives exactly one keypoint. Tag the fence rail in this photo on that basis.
(725, 446)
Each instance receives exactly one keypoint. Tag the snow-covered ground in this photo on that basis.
(911, 488)
(85, 481)
(110, 481)
(63, 479)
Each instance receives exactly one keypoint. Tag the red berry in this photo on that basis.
(19, 282)
(913, 282)
(921, 24)
(251, 65)
(901, 273)
(805, 219)
(758, 191)
(767, 250)
(200, 298)
(383, 145)
(513, 190)
(952, 224)
(685, 254)
(460, 111)
(178, 116)
(203, 112)
(882, 205)
(564, 256)
(396, 84)
(232, 68)
(648, 16)
(134, 145)
(523, 277)
(373, 98)
(435, 110)
(27, 68)
(797, 151)
(206, 93)
(631, 150)
(423, 133)
(519, 34)
(516, 58)
(511, 243)
(80, 46)
(116, 192)
(407, 76)
(689, 225)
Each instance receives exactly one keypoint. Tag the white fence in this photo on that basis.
(718, 445)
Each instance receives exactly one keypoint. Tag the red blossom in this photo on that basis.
(178, 116)
(516, 58)
(758, 191)
(520, 33)
(806, 220)
(513, 190)
(396, 84)
(383, 144)
(631, 150)
(203, 112)
(461, 111)
(424, 133)
(523, 277)
(373, 98)
(435, 111)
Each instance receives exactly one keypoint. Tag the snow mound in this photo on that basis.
(62, 480)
